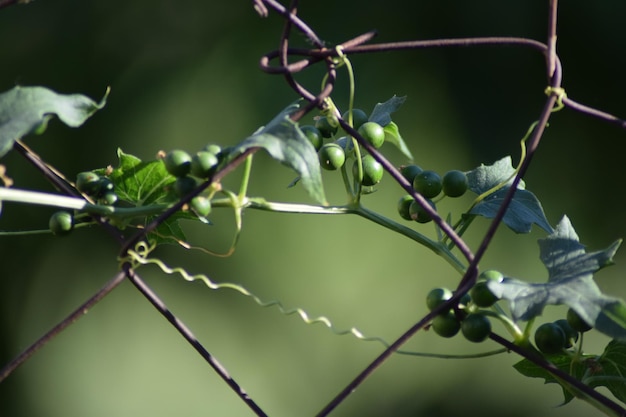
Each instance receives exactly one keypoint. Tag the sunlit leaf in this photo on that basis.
(570, 282)
(524, 209)
(285, 142)
(25, 110)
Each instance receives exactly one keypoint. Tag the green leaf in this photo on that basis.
(610, 370)
(607, 370)
(524, 209)
(570, 282)
(382, 111)
(142, 183)
(562, 361)
(25, 110)
(392, 135)
(285, 142)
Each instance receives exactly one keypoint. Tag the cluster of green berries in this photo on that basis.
(333, 155)
(466, 317)
(100, 188)
(430, 185)
(554, 337)
(188, 168)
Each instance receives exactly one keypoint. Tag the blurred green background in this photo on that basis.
(185, 73)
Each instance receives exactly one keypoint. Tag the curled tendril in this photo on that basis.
(138, 257)
(560, 94)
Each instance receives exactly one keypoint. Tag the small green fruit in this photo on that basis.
(446, 325)
(550, 338)
(201, 205)
(418, 213)
(313, 135)
(61, 223)
(482, 295)
(184, 185)
(325, 128)
(88, 183)
(373, 133)
(428, 184)
(476, 327)
(436, 297)
(332, 156)
(403, 207)
(203, 164)
(177, 163)
(410, 172)
(577, 322)
(372, 170)
(454, 183)
(358, 117)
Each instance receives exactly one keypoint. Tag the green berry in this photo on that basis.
(454, 183)
(403, 207)
(491, 275)
(436, 297)
(61, 223)
(571, 335)
(105, 186)
(410, 172)
(358, 117)
(212, 148)
(88, 183)
(418, 214)
(201, 205)
(482, 295)
(332, 156)
(373, 133)
(550, 338)
(446, 325)
(108, 199)
(184, 185)
(177, 163)
(428, 184)
(313, 135)
(372, 170)
(476, 327)
(203, 164)
(577, 322)
(326, 129)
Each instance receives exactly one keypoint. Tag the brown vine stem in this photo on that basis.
(190, 338)
(62, 325)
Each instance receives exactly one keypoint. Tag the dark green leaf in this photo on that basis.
(142, 183)
(25, 110)
(285, 142)
(561, 361)
(570, 282)
(610, 370)
(382, 111)
(524, 209)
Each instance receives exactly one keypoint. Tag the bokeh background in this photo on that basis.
(185, 73)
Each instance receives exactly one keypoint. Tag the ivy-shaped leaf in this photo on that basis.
(570, 282)
(610, 370)
(25, 110)
(142, 183)
(286, 143)
(607, 370)
(524, 209)
(564, 363)
(382, 115)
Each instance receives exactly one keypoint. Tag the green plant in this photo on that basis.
(61, 223)
(142, 203)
